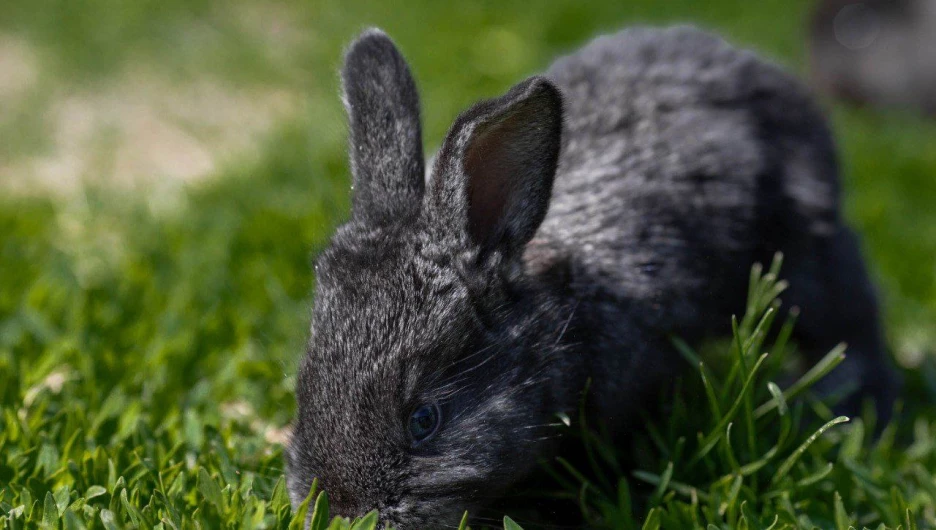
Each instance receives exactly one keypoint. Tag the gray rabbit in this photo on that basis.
(876, 52)
(564, 231)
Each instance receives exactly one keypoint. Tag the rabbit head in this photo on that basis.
(426, 386)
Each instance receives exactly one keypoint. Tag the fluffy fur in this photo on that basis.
(564, 231)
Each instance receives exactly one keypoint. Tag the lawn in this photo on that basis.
(155, 278)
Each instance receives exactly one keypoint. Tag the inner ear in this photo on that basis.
(488, 187)
(507, 160)
(492, 177)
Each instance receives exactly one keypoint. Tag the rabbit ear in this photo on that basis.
(385, 140)
(494, 172)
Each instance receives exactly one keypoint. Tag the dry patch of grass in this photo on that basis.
(154, 122)
(19, 68)
(143, 130)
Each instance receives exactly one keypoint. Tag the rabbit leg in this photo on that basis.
(830, 285)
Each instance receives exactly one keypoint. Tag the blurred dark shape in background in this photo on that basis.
(876, 52)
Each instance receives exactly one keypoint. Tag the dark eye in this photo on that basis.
(423, 422)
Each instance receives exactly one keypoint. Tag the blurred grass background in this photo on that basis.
(153, 96)
(168, 167)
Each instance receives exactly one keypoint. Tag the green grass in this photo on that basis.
(758, 456)
(148, 341)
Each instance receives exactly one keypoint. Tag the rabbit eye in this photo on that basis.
(423, 422)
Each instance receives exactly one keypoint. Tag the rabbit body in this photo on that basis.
(565, 231)
(685, 161)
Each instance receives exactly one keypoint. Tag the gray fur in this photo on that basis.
(681, 161)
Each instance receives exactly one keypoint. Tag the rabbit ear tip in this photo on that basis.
(371, 50)
(538, 83)
(373, 32)
(371, 39)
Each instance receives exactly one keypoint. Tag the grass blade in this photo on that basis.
(792, 459)
(509, 524)
(716, 433)
(814, 374)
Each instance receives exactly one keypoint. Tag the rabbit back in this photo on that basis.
(684, 160)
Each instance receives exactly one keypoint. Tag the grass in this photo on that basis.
(755, 455)
(148, 340)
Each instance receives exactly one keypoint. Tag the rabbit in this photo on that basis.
(876, 52)
(565, 231)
